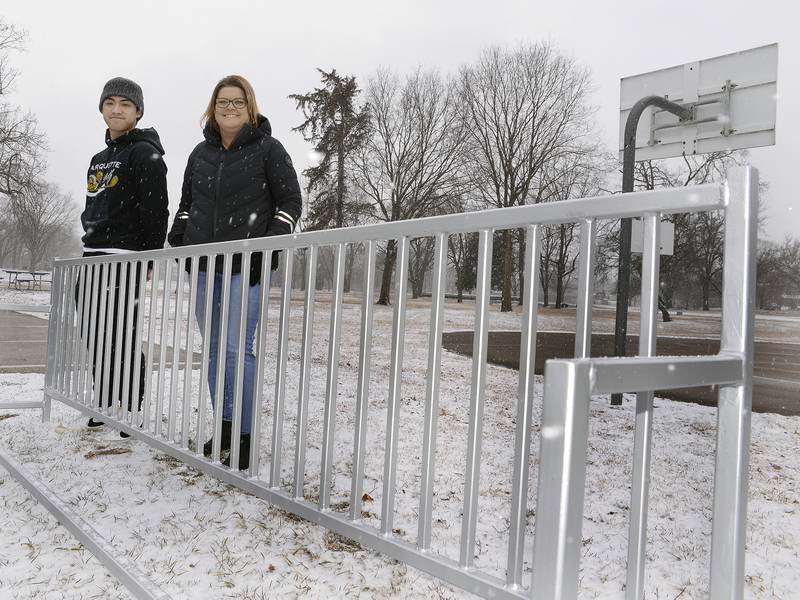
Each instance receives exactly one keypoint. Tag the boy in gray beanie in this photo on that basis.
(126, 211)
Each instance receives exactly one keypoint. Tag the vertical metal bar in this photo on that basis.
(151, 334)
(432, 392)
(280, 375)
(63, 309)
(522, 439)
(97, 317)
(186, 411)
(129, 346)
(63, 338)
(119, 309)
(477, 399)
(735, 401)
(176, 352)
(73, 322)
(395, 380)
(83, 377)
(362, 393)
(222, 358)
(562, 476)
(238, 380)
(260, 349)
(137, 347)
(643, 437)
(108, 335)
(332, 385)
(583, 332)
(52, 330)
(204, 358)
(162, 353)
(305, 372)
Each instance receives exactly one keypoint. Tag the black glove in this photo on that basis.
(175, 239)
(278, 227)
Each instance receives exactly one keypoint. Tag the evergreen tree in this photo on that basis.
(337, 127)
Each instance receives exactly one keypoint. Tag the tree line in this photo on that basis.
(36, 217)
(514, 127)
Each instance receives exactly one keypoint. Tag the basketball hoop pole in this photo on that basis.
(628, 164)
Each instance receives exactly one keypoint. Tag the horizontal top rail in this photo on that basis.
(666, 201)
(644, 374)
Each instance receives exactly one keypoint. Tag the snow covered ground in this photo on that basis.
(199, 538)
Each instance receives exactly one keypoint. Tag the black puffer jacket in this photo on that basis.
(248, 190)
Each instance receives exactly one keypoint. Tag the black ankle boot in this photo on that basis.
(244, 453)
(225, 439)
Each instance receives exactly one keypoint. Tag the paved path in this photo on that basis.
(776, 369)
(23, 344)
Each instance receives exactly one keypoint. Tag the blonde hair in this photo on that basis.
(232, 81)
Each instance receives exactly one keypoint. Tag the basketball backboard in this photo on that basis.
(733, 99)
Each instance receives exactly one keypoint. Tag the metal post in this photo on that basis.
(477, 399)
(735, 401)
(525, 399)
(432, 392)
(305, 372)
(280, 370)
(637, 537)
(557, 539)
(362, 392)
(395, 380)
(332, 384)
(628, 165)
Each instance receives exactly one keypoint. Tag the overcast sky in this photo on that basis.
(177, 51)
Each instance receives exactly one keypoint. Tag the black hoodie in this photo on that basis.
(126, 195)
(245, 191)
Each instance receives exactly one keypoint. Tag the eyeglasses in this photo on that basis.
(225, 102)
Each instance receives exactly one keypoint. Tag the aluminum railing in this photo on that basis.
(170, 417)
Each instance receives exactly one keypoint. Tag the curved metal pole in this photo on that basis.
(624, 266)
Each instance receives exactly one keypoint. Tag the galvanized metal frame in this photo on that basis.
(569, 385)
(137, 583)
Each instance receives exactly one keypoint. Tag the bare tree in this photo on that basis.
(462, 252)
(420, 262)
(408, 166)
(20, 141)
(694, 271)
(778, 275)
(576, 174)
(522, 109)
(42, 215)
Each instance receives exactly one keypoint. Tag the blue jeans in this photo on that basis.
(232, 345)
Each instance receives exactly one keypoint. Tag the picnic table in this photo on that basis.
(32, 280)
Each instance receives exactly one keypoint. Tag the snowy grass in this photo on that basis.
(199, 538)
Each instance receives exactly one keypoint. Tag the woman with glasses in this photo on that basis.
(239, 183)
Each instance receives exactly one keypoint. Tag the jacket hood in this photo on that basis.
(247, 132)
(148, 135)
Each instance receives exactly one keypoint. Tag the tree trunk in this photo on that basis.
(340, 180)
(505, 304)
(521, 267)
(349, 261)
(416, 287)
(662, 306)
(460, 298)
(388, 268)
(303, 266)
(706, 290)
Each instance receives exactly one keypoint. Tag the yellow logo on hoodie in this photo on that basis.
(99, 181)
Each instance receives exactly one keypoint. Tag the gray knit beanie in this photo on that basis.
(119, 86)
